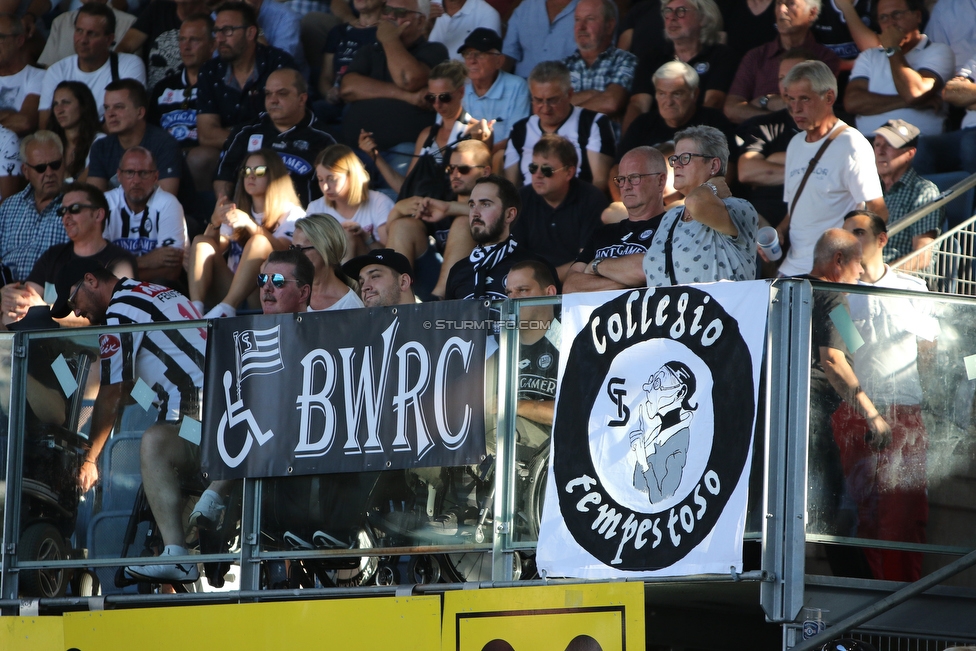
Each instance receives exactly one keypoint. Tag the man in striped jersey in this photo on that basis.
(164, 367)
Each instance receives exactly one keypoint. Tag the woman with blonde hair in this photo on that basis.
(346, 196)
(323, 240)
(261, 219)
(445, 90)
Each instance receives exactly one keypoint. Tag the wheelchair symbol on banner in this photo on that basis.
(234, 415)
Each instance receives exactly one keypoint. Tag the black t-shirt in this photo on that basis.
(161, 24)
(174, 108)
(236, 106)
(746, 30)
(648, 25)
(715, 66)
(461, 279)
(651, 129)
(538, 369)
(391, 121)
(623, 238)
(766, 135)
(831, 28)
(558, 234)
(343, 42)
(49, 265)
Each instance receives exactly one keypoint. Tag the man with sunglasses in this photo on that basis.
(288, 127)
(285, 282)
(389, 78)
(559, 212)
(171, 366)
(146, 220)
(83, 214)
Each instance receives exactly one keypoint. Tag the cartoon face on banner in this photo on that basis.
(658, 388)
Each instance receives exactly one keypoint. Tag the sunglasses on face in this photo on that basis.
(258, 171)
(74, 209)
(444, 98)
(547, 170)
(278, 280)
(40, 169)
(299, 247)
(462, 169)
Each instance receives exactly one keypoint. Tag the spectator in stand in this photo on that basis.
(76, 123)
(261, 219)
(95, 65)
(341, 45)
(29, 223)
(494, 206)
(491, 93)
(230, 88)
(125, 120)
(60, 42)
(848, 176)
(955, 150)
(748, 25)
(281, 28)
(384, 277)
(762, 143)
(755, 89)
(445, 92)
(837, 27)
(323, 240)
(414, 221)
(158, 27)
(903, 79)
(145, 220)
(346, 197)
(642, 180)
(83, 215)
(551, 91)
(288, 128)
(951, 23)
(559, 212)
(173, 105)
(460, 18)
(285, 282)
(692, 30)
(11, 180)
(389, 78)
(602, 75)
(539, 30)
(905, 192)
(20, 84)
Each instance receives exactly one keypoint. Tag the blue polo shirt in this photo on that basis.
(508, 99)
(531, 39)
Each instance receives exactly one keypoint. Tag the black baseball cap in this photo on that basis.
(386, 257)
(483, 40)
(68, 277)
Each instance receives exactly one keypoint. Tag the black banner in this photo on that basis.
(354, 390)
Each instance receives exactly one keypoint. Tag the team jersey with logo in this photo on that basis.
(620, 239)
(174, 108)
(161, 224)
(539, 366)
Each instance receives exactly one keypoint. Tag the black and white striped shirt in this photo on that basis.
(171, 362)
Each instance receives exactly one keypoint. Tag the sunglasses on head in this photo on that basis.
(444, 98)
(463, 169)
(547, 170)
(258, 171)
(40, 169)
(278, 280)
(74, 209)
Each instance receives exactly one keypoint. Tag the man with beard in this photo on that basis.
(384, 278)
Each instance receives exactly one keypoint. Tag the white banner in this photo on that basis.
(652, 439)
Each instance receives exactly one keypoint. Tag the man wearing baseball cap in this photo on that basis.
(895, 144)
(384, 277)
(168, 365)
(491, 93)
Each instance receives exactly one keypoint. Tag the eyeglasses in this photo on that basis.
(258, 171)
(444, 98)
(227, 31)
(40, 169)
(131, 174)
(397, 12)
(893, 16)
(462, 169)
(74, 209)
(299, 247)
(657, 383)
(71, 298)
(684, 159)
(635, 179)
(547, 170)
(278, 280)
(679, 13)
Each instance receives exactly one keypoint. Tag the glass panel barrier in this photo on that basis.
(891, 414)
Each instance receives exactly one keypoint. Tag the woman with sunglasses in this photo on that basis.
(261, 219)
(445, 90)
(347, 197)
(323, 240)
(76, 123)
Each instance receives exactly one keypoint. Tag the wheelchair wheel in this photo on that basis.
(535, 492)
(475, 566)
(85, 584)
(424, 569)
(362, 573)
(43, 542)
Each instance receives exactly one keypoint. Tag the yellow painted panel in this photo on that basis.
(31, 634)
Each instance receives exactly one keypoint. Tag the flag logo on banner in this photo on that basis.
(258, 352)
(653, 431)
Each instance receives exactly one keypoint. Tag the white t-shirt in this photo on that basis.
(161, 224)
(370, 215)
(285, 230)
(350, 301)
(874, 66)
(9, 153)
(968, 70)
(453, 30)
(16, 87)
(130, 66)
(845, 177)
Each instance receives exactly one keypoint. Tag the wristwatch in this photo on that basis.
(593, 266)
(764, 101)
(892, 51)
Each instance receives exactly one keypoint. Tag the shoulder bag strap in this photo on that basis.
(668, 259)
(813, 164)
(114, 65)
